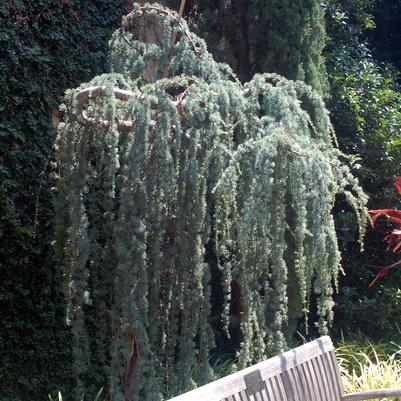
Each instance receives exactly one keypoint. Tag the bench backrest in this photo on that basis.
(307, 373)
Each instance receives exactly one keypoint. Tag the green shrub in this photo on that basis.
(222, 365)
(366, 366)
(365, 106)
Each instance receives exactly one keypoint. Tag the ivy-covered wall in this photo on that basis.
(46, 46)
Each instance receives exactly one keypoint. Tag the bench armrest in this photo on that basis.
(370, 394)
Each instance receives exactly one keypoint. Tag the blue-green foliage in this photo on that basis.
(170, 153)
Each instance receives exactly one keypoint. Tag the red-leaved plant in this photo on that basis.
(393, 238)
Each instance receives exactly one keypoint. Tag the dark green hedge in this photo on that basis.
(46, 46)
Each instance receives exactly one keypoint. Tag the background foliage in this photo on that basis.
(365, 365)
(365, 103)
(45, 47)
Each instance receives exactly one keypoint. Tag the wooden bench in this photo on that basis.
(306, 373)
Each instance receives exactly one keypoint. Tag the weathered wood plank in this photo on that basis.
(370, 394)
(312, 384)
(303, 374)
(332, 363)
(280, 387)
(293, 386)
(337, 371)
(317, 377)
(273, 391)
(326, 375)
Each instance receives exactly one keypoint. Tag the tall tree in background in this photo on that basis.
(286, 37)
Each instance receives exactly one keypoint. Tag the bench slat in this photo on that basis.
(306, 379)
(313, 384)
(274, 388)
(321, 371)
(336, 369)
(335, 387)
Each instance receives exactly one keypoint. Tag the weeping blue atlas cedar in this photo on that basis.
(163, 157)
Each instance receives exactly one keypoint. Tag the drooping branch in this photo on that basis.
(85, 95)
